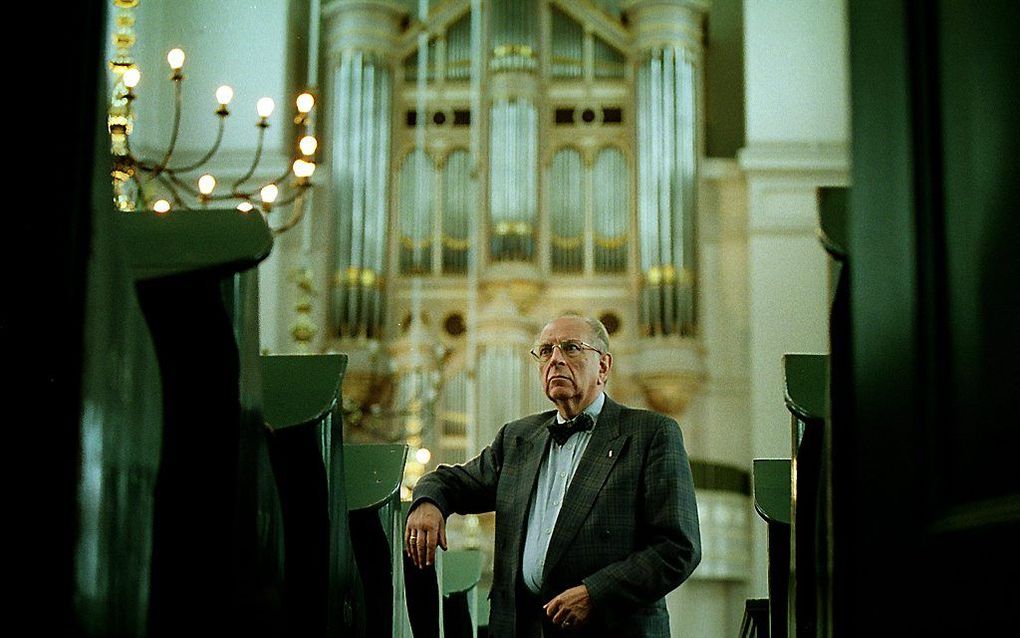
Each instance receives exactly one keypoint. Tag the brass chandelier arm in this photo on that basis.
(296, 191)
(254, 164)
(139, 164)
(138, 183)
(208, 156)
(167, 181)
(180, 183)
(281, 179)
(296, 216)
(157, 182)
(176, 131)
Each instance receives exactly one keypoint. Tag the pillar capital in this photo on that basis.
(657, 24)
(370, 26)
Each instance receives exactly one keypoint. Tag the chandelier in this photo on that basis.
(163, 186)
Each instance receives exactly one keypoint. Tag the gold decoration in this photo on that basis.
(303, 331)
(521, 228)
(455, 243)
(303, 278)
(667, 274)
(566, 243)
(508, 50)
(411, 244)
(653, 276)
(353, 276)
(611, 243)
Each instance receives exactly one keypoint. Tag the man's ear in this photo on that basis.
(605, 365)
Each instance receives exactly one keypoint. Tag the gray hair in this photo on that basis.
(598, 331)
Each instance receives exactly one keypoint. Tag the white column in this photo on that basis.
(797, 129)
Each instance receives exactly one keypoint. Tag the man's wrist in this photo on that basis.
(416, 503)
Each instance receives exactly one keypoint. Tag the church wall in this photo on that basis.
(796, 71)
(797, 112)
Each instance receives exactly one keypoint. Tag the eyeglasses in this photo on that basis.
(571, 349)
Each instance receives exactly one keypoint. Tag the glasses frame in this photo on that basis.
(584, 346)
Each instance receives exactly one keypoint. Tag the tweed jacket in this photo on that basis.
(628, 527)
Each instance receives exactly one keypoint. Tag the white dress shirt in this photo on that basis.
(554, 475)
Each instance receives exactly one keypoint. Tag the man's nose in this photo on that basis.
(557, 357)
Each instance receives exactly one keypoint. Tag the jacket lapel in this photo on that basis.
(591, 473)
(528, 457)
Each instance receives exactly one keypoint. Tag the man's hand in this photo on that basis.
(425, 528)
(570, 609)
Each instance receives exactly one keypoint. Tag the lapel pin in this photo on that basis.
(610, 454)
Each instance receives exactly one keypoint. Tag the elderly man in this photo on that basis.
(595, 513)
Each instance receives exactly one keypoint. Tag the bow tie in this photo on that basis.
(561, 431)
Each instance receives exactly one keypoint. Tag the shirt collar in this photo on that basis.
(594, 409)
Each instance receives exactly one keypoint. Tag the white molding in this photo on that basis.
(782, 180)
(726, 536)
(815, 161)
(719, 169)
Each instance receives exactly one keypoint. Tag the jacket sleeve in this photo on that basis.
(467, 488)
(668, 528)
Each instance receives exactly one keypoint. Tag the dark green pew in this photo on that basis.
(462, 571)
(112, 476)
(771, 488)
(806, 381)
(834, 218)
(217, 526)
(302, 399)
(454, 605)
(373, 475)
(423, 595)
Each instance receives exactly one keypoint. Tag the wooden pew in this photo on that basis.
(373, 475)
(755, 623)
(111, 477)
(771, 488)
(302, 400)
(443, 600)
(462, 571)
(833, 205)
(216, 521)
(806, 381)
